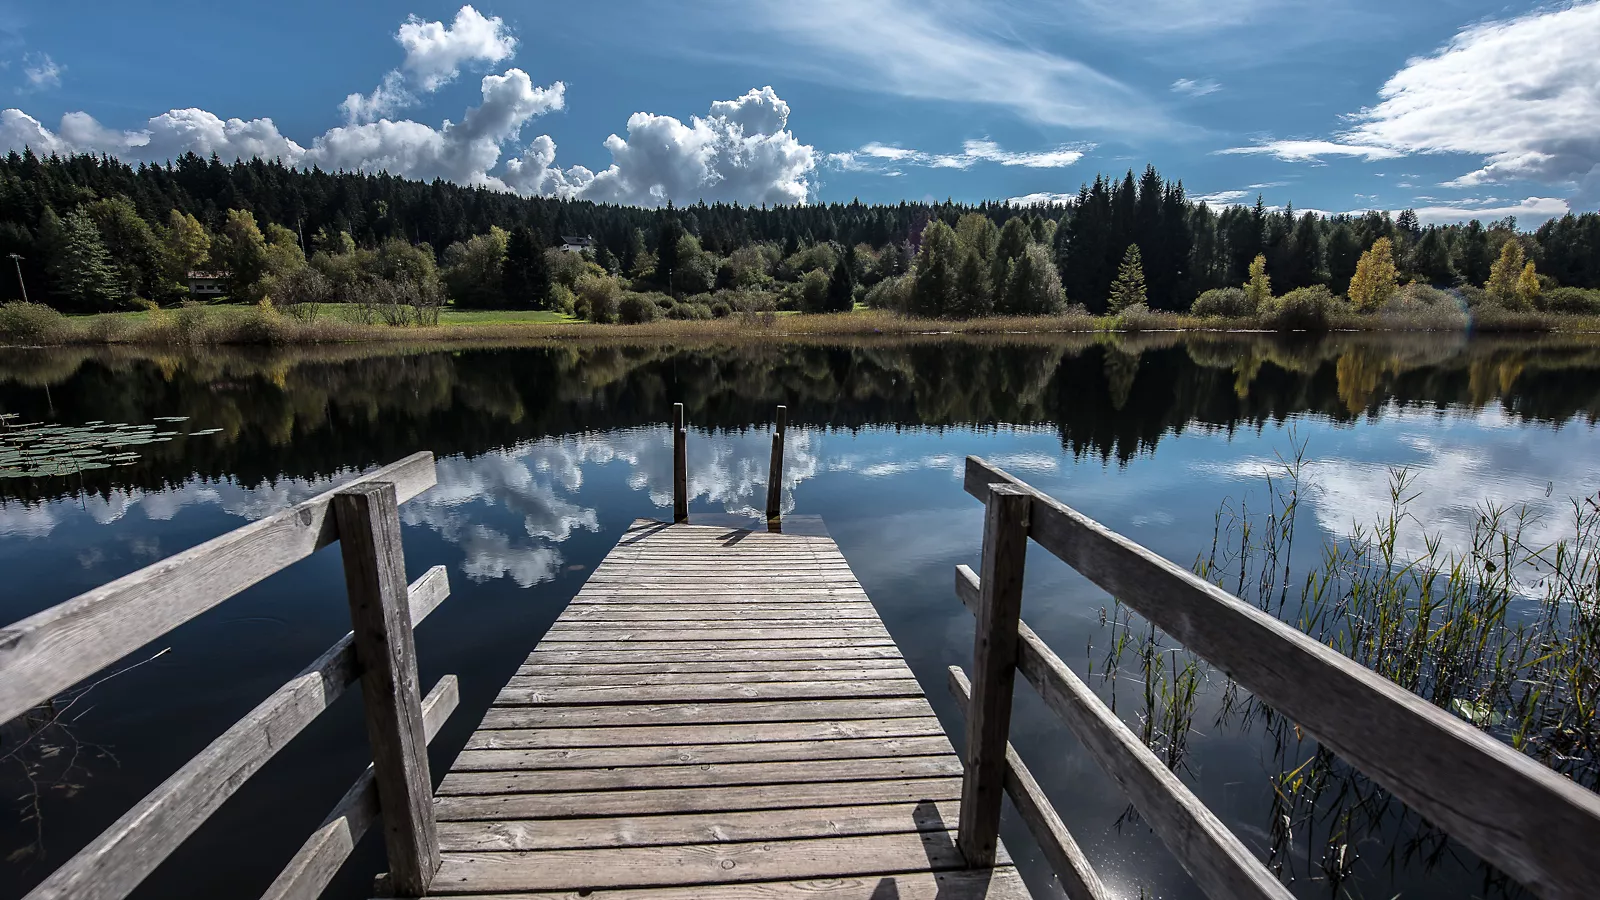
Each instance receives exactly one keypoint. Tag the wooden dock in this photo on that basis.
(719, 713)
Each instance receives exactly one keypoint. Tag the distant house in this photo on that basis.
(208, 284)
(574, 244)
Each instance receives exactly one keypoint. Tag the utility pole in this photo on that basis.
(17, 258)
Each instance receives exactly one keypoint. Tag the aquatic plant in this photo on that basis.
(36, 450)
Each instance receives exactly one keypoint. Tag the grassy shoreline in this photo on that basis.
(221, 325)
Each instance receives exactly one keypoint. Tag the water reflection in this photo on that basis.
(547, 453)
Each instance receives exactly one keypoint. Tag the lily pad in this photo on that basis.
(1477, 712)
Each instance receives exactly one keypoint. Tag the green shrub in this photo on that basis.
(689, 311)
(261, 325)
(31, 323)
(1139, 317)
(1302, 309)
(721, 310)
(190, 322)
(1570, 300)
(1230, 303)
(1417, 294)
(636, 309)
(562, 299)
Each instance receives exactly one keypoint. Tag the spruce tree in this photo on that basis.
(82, 276)
(1128, 289)
(842, 285)
(933, 292)
(525, 275)
(974, 294)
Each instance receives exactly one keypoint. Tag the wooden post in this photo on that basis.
(775, 474)
(680, 466)
(374, 574)
(994, 652)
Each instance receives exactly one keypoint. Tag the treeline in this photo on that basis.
(93, 233)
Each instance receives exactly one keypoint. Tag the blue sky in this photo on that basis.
(1458, 108)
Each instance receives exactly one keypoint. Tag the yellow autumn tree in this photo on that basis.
(1259, 287)
(1505, 274)
(1527, 286)
(1376, 279)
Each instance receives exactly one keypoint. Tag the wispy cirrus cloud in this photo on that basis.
(1193, 88)
(1313, 150)
(958, 52)
(875, 156)
(41, 72)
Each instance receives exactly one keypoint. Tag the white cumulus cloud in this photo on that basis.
(435, 54)
(740, 151)
(1314, 150)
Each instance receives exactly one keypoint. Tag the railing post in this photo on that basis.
(775, 473)
(374, 571)
(994, 651)
(680, 466)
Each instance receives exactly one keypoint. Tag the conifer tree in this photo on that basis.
(974, 292)
(933, 292)
(1128, 288)
(842, 286)
(526, 274)
(82, 275)
(1032, 287)
(1259, 287)
(1376, 279)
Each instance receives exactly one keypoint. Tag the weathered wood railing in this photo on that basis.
(48, 652)
(1535, 825)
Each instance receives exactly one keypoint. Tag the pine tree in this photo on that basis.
(974, 291)
(933, 293)
(526, 274)
(1259, 287)
(1376, 279)
(842, 285)
(1430, 258)
(1128, 289)
(1505, 274)
(82, 275)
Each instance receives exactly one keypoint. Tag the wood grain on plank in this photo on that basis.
(697, 754)
(693, 799)
(706, 713)
(665, 736)
(695, 863)
(699, 693)
(762, 673)
(1000, 883)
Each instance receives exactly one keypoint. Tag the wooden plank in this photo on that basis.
(680, 466)
(1078, 879)
(645, 665)
(697, 828)
(579, 611)
(1517, 814)
(722, 641)
(319, 858)
(705, 713)
(1217, 860)
(697, 863)
(758, 674)
(673, 621)
(374, 570)
(117, 861)
(595, 634)
(556, 655)
(994, 660)
(701, 693)
(674, 735)
(52, 650)
(697, 754)
(1002, 883)
(697, 799)
(559, 780)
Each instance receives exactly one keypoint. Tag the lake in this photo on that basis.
(547, 453)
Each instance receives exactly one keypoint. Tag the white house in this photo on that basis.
(574, 244)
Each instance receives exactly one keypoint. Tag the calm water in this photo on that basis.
(545, 455)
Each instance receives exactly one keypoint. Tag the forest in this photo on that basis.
(93, 234)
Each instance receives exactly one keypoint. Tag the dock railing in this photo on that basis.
(680, 468)
(51, 651)
(1533, 824)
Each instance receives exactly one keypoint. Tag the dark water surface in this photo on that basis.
(546, 454)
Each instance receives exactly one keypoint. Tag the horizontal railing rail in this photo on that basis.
(54, 649)
(1515, 813)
